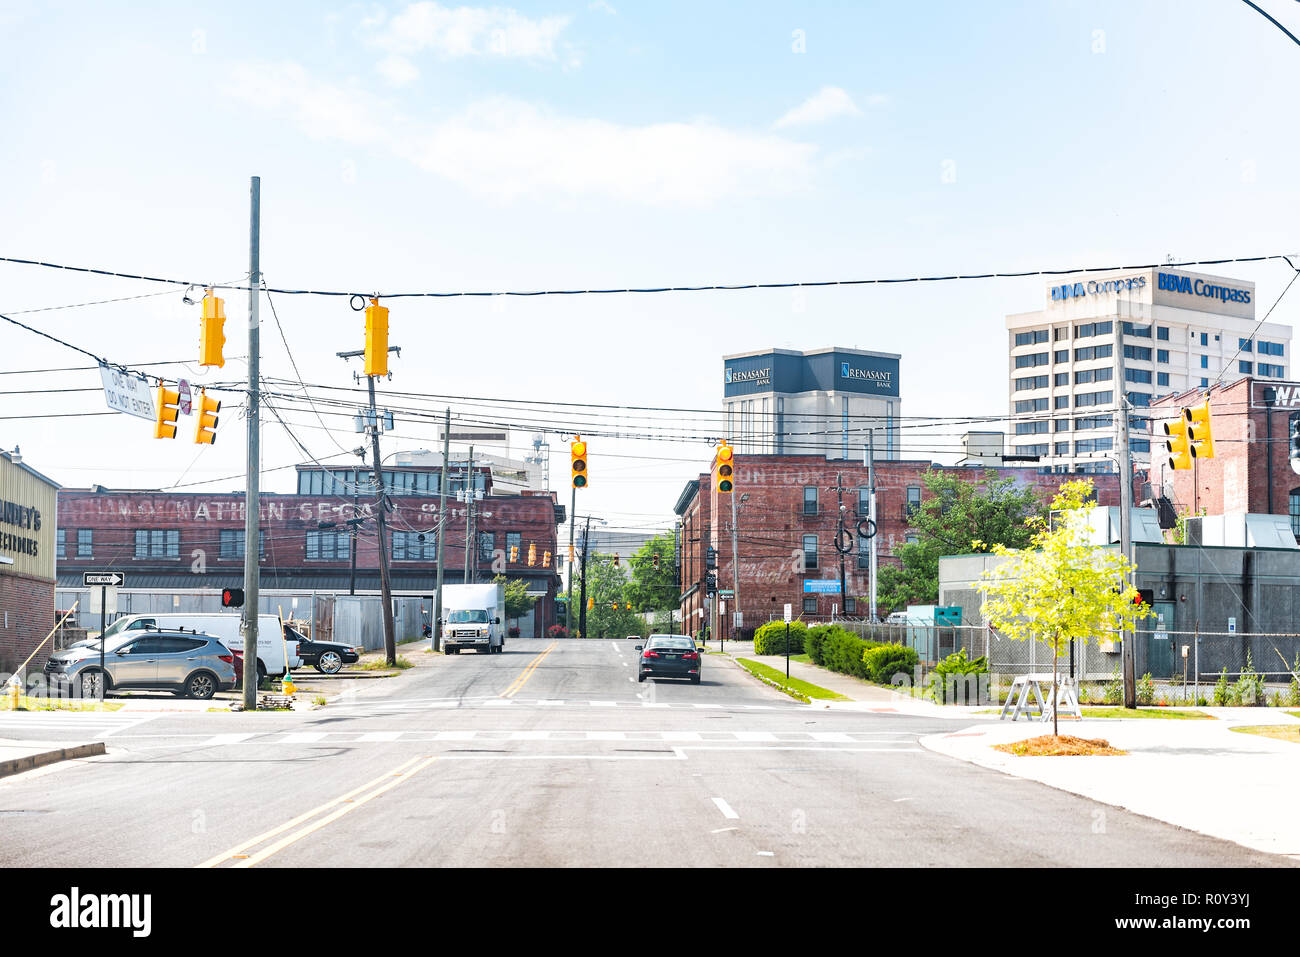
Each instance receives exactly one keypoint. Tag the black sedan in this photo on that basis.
(327, 657)
(669, 656)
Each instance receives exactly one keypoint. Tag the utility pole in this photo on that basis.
(442, 529)
(573, 521)
(385, 587)
(871, 512)
(582, 600)
(735, 555)
(252, 493)
(471, 547)
(1125, 511)
(353, 535)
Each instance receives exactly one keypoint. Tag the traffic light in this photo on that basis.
(710, 557)
(710, 583)
(169, 407)
(376, 338)
(656, 559)
(578, 463)
(614, 605)
(725, 468)
(232, 598)
(629, 606)
(616, 559)
(1181, 451)
(212, 338)
(546, 559)
(1198, 429)
(532, 554)
(591, 604)
(1294, 425)
(514, 553)
(1145, 597)
(205, 433)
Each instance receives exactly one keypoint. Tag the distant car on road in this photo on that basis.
(633, 637)
(327, 657)
(183, 663)
(669, 656)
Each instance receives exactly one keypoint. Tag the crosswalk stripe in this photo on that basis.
(380, 736)
(302, 737)
(232, 738)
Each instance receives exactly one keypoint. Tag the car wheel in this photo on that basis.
(695, 679)
(329, 663)
(261, 671)
(201, 685)
(640, 678)
(89, 684)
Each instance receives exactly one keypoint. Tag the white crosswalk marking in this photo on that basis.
(380, 736)
(233, 738)
(303, 737)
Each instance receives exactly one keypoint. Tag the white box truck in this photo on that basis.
(473, 617)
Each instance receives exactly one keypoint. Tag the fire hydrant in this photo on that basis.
(287, 687)
(13, 691)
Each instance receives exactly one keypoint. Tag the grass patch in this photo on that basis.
(381, 664)
(1279, 732)
(792, 686)
(1168, 713)
(1294, 714)
(1049, 745)
(319, 701)
(28, 703)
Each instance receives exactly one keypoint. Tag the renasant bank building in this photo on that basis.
(1143, 333)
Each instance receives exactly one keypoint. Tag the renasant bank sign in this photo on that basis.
(758, 376)
(881, 377)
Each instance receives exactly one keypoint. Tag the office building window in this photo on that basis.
(1062, 425)
(1245, 345)
(810, 551)
(1137, 352)
(1162, 355)
(1084, 446)
(1031, 405)
(913, 499)
(1031, 382)
(1137, 375)
(1265, 369)
(85, 542)
(157, 543)
(1205, 362)
(1139, 399)
(864, 552)
(1062, 378)
(1142, 332)
(1205, 338)
(1062, 355)
(1295, 511)
(1093, 422)
(487, 543)
(337, 546)
(1031, 449)
(1093, 398)
(1271, 348)
(810, 604)
(864, 501)
(1244, 367)
(232, 544)
(60, 546)
(1093, 375)
(514, 547)
(1162, 378)
(1205, 383)
(1032, 428)
(810, 500)
(1031, 338)
(1062, 401)
(1162, 332)
(1062, 448)
(1140, 445)
(1093, 329)
(1031, 360)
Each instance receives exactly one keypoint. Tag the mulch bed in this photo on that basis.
(1049, 745)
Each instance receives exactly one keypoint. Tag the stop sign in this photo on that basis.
(186, 402)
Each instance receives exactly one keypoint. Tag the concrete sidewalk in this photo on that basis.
(19, 756)
(1196, 774)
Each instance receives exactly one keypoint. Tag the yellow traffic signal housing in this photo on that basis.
(656, 560)
(205, 433)
(169, 402)
(532, 554)
(1198, 429)
(514, 553)
(629, 606)
(1181, 451)
(726, 468)
(376, 338)
(616, 559)
(546, 559)
(212, 337)
(570, 554)
(591, 604)
(578, 463)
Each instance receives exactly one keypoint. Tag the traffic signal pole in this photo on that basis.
(385, 586)
(252, 491)
(582, 599)
(442, 529)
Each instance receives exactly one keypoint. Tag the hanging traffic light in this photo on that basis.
(616, 559)
(212, 338)
(725, 468)
(578, 463)
(546, 559)
(656, 559)
(376, 338)
(614, 605)
(1293, 423)
(591, 604)
(514, 553)
(629, 606)
(532, 554)
(169, 407)
(1181, 451)
(1198, 429)
(205, 433)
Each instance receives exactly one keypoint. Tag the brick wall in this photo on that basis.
(772, 524)
(26, 616)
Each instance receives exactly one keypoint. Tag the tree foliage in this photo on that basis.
(608, 587)
(1061, 588)
(650, 588)
(518, 601)
(957, 513)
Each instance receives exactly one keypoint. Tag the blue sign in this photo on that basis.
(821, 586)
(1094, 287)
(1172, 282)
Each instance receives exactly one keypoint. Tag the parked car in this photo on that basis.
(327, 657)
(275, 655)
(184, 663)
(669, 656)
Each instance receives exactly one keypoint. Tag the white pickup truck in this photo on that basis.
(473, 617)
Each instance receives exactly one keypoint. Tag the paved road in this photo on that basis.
(552, 754)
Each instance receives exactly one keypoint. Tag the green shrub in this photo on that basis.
(769, 639)
(815, 640)
(1221, 690)
(885, 661)
(843, 652)
(1115, 688)
(1249, 686)
(1146, 689)
(1293, 692)
(952, 671)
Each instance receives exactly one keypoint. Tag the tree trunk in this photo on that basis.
(1056, 732)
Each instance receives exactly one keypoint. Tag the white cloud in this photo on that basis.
(398, 70)
(506, 148)
(469, 31)
(827, 103)
(602, 6)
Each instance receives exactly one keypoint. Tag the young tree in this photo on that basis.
(653, 589)
(607, 587)
(957, 513)
(518, 601)
(1060, 588)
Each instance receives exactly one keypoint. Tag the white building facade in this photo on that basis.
(1135, 333)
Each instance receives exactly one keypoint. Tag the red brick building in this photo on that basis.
(1251, 469)
(169, 540)
(787, 514)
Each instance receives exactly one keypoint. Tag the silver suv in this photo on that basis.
(184, 663)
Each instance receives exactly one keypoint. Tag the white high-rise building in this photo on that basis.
(1144, 333)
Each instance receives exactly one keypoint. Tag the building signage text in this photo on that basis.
(19, 516)
(759, 376)
(880, 377)
(1171, 282)
(1096, 287)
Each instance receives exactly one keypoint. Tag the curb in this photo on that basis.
(30, 761)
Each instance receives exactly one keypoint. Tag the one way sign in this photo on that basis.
(117, 579)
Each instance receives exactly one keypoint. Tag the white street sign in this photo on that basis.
(738, 620)
(788, 616)
(127, 393)
(1232, 625)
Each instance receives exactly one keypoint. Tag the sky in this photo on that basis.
(429, 147)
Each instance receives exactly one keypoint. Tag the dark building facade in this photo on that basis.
(787, 516)
(185, 541)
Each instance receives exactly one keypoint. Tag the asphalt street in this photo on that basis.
(552, 754)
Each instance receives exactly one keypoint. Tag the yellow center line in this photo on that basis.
(299, 834)
(238, 850)
(527, 673)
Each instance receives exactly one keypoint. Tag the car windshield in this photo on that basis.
(468, 616)
(682, 644)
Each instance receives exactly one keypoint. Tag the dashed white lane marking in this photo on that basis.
(766, 854)
(726, 810)
(719, 830)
